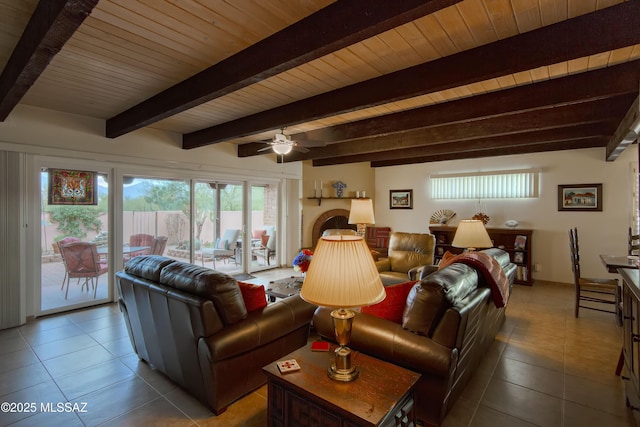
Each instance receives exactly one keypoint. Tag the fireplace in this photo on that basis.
(335, 218)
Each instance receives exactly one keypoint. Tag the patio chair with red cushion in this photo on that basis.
(61, 242)
(159, 245)
(141, 240)
(83, 262)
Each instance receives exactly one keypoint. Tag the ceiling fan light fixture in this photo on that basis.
(282, 148)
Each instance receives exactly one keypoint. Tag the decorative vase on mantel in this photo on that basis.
(339, 186)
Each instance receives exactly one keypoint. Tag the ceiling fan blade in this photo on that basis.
(264, 149)
(310, 143)
(300, 149)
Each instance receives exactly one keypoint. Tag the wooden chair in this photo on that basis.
(159, 245)
(597, 291)
(141, 240)
(64, 241)
(83, 262)
(267, 249)
(633, 244)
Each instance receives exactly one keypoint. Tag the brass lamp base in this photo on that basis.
(342, 369)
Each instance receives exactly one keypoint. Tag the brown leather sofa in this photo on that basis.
(191, 323)
(450, 321)
(408, 253)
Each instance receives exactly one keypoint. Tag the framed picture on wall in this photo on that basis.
(580, 197)
(400, 199)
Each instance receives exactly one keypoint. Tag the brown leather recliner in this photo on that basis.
(191, 323)
(408, 254)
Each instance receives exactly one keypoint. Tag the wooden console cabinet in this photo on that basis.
(381, 396)
(631, 338)
(503, 238)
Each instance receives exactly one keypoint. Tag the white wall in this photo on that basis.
(40, 131)
(600, 232)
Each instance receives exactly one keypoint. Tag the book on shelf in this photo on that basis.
(522, 273)
(518, 257)
(520, 242)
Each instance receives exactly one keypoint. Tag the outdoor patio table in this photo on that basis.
(103, 250)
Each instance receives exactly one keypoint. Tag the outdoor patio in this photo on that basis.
(53, 272)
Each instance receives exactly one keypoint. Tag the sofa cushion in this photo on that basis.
(254, 296)
(501, 256)
(424, 306)
(437, 292)
(392, 307)
(490, 271)
(221, 289)
(257, 234)
(147, 266)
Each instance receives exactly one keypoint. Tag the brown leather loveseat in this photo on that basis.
(449, 320)
(191, 323)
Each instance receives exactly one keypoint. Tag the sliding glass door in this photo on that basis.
(73, 238)
(262, 226)
(218, 227)
(225, 225)
(155, 217)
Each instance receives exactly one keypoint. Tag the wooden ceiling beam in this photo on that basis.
(51, 25)
(570, 133)
(557, 117)
(534, 148)
(598, 84)
(607, 29)
(626, 133)
(332, 28)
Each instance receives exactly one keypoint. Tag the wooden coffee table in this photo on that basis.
(381, 396)
(284, 287)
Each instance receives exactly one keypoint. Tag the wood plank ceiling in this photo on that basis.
(372, 80)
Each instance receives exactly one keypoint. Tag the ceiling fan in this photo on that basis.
(283, 144)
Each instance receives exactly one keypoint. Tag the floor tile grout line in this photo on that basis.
(50, 377)
(163, 395)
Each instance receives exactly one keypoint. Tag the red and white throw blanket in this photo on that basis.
(490, 270)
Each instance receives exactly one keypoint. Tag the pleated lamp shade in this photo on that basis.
(342, 274)
(471, 233)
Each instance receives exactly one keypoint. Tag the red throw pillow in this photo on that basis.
(392, 307)
(254, 296)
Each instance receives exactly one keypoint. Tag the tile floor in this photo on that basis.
(546, 368)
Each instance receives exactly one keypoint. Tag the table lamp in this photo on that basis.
(342, 275)
(361, 214)
(471, 234)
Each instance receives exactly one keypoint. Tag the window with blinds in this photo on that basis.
(509, 184)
